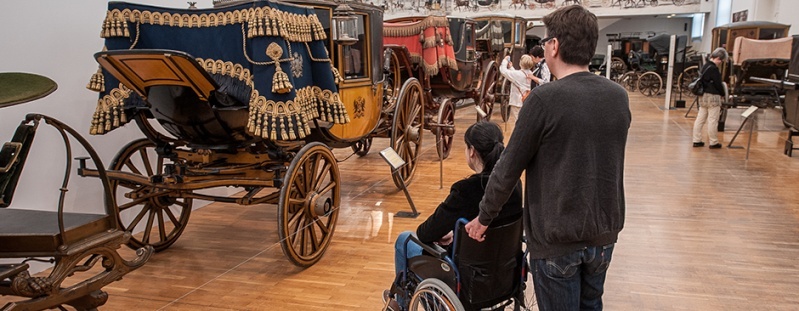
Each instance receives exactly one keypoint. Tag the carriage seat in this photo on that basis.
(74, 242)
(488, 272)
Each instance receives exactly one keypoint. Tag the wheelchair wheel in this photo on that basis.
(433, 294)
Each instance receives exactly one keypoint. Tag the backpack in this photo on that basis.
(697, 87)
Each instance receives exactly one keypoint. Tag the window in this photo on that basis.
(355, 56)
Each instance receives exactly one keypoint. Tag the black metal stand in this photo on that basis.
(396, 163)
(694, 103)
(751, 130)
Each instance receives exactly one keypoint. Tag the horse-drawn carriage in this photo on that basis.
(642, 64)
(440, 52)
(757, 50)
(249, 95)
(499, 36)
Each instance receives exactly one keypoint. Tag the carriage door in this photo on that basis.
(361, 99)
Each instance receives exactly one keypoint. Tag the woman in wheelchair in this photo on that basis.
(484, 145)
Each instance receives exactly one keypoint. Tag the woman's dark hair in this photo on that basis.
(486, 138)
(537, 51)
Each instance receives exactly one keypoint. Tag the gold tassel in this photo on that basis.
(280, 81)
(125, 31)
(97, 82)
(273, 132)
(116, 117)
(123, 117)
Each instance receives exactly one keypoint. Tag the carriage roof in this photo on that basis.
(751, 24)
(662, 42)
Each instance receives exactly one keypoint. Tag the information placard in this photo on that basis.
(392, 158)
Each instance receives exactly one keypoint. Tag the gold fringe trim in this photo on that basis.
(262, 21)
(402, 29)
(110, 112)
(97, 82)
(290, 120)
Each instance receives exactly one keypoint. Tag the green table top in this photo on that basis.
(19, 87)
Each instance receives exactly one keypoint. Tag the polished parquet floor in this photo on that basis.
(705, 230)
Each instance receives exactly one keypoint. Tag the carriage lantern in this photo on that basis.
(345, 25)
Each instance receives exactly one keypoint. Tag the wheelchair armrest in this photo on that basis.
(435, 250)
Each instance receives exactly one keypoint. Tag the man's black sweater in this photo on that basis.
(570, 139)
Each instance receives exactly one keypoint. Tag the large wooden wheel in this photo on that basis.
(618, 66)
(435, 295)
(160, 215)
(406, 130)
(446, 116)
(650, 83)
(686, 77)
(309, 204)
(488, 91)
(393, 81)
(629, 80)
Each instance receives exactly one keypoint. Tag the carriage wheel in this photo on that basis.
(446, 116)
(433, 294)
(362, 146)
(629, 81)
(391, 87)
(488, 91)
(650, 83)
(160, 214)
(617, 65)
(309, 204)
(406, 130)
(686, 77)
(504, 105)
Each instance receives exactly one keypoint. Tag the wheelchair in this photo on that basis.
(488, 275)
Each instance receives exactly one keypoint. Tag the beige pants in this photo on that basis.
(709, 111)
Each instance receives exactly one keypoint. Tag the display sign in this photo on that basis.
(392, 158)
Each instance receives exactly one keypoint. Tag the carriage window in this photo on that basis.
(507, 29)
(517, 39)
(468, 37)
(355, 56)
(771, 33)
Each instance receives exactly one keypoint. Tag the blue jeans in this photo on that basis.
(574, 281)
(403, 252)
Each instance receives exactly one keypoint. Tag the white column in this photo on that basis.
(670, 71)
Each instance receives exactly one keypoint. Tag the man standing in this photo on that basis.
(571, 143)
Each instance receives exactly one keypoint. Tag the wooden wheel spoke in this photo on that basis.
(161, 229)
(146, 161)
(293, 201)
(148, 228)
(322, 227)
(159, 166)
(322, 175)
(132, 167)
(138, 218)
(172, 217)
(299, 187)
(133, 203)
(310, 179)
(314, 241)
(328, 187)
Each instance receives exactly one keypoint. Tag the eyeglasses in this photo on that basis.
(545, 40)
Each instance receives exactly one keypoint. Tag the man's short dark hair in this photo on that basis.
(537, 51)
(576, 30)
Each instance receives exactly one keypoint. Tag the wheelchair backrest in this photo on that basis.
(12, 160)
(489, 271)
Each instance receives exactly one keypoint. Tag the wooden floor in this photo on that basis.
(705, 230)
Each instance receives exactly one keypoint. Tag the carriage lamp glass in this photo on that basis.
(345, 25)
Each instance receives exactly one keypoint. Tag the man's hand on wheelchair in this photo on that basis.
(476, 230)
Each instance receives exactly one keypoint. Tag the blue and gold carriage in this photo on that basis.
(249, 95)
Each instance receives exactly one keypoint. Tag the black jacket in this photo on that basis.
(711, 79)
(463, 202)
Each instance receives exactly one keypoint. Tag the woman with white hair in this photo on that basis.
(710, 101)
(519, 82)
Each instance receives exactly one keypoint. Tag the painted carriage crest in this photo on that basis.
(296, 65)
(360, 106)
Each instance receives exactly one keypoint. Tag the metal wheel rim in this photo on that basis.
(309, 204)
(157, 208)
(686, 77)
(434, 295)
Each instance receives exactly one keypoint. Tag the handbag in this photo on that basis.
(697, 87)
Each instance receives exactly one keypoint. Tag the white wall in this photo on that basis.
(57, 39)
